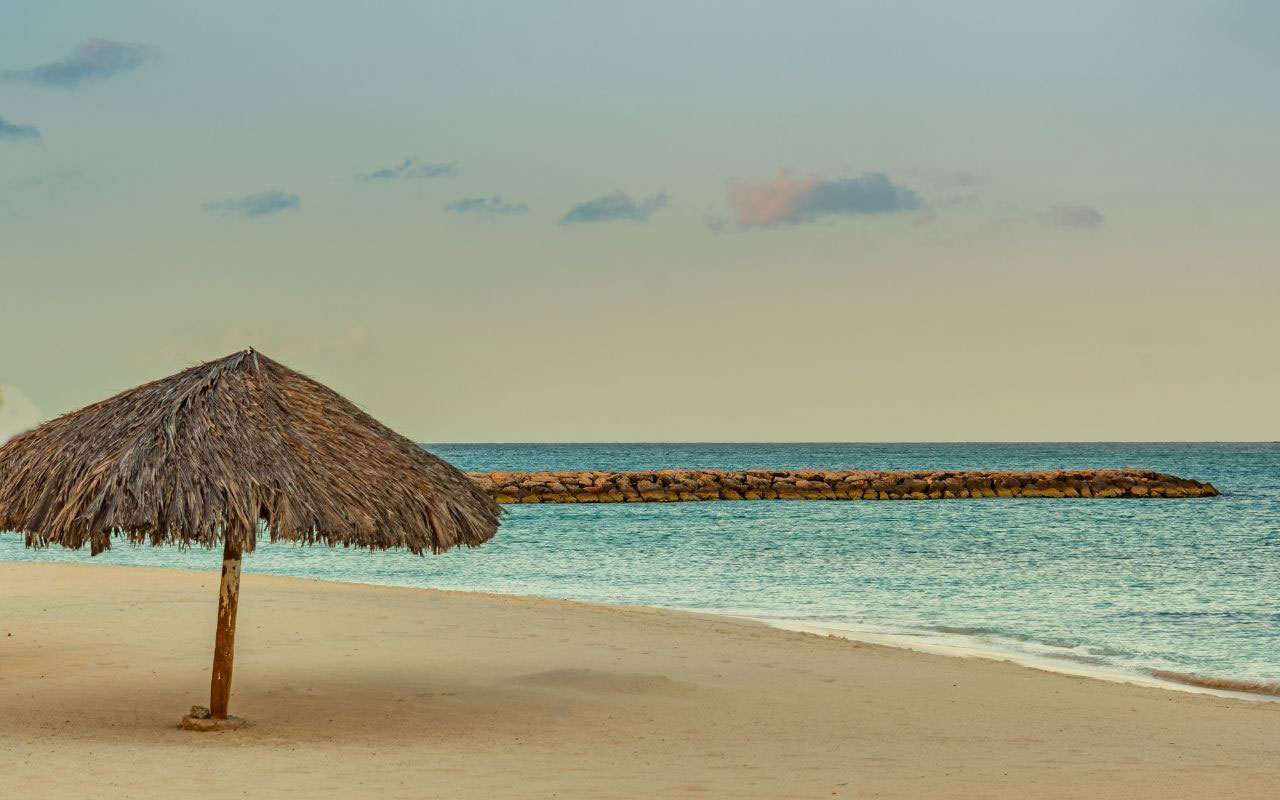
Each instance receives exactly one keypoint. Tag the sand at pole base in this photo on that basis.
(359, 691)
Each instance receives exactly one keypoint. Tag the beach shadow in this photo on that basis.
(301, 706)
(604, 683)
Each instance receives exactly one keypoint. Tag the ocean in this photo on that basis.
(1131, 586)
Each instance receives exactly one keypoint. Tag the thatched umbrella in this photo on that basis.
(217, 452)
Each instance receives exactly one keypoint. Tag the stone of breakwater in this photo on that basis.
(681, 485)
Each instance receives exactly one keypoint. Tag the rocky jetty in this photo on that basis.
(677, 485)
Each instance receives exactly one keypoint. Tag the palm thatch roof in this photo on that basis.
(206, 455)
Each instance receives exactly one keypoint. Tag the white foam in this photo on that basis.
(963, 646)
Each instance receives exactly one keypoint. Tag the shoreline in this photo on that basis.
(402, 692)
(955, 645)
(949, 644)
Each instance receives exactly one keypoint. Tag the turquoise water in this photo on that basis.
(1183, 585)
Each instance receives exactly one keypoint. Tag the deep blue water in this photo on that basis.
(1187, 585)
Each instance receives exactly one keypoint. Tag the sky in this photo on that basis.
(665, 221)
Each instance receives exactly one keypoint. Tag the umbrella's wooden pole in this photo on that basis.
(224, 646)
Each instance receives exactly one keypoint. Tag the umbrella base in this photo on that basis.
(200, 720)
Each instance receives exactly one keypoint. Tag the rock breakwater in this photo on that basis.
(681, 485)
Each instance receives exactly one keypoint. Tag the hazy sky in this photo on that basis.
(531, 221)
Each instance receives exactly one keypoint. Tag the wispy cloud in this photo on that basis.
(413, 168)
(17, 412)
(486, 205)
(1065, 216)
(96, 58)
(12, 132)
(618, 205)
(788, 200)
(36, 193)
(254, 205)
(43, 180)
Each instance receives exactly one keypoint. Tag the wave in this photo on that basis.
(989, 642)
(1085, 652)
(1221, 684)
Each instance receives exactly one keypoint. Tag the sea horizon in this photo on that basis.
(853, 441)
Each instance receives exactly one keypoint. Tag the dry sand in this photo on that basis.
(360, 691)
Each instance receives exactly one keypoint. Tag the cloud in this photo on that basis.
(254, 205)
(12, 132)
(17, 412)
(35, 193)
(1080, 217)
(486, 205)
(413, 168)
(787, 200)
(618, 205)
(1063, 215)
(96, 58)
(46, 180)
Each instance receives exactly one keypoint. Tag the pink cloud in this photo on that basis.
(788, 200)
(769, 203)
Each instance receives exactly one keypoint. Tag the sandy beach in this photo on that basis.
(363, 691)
